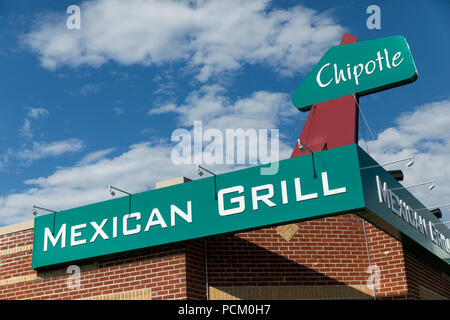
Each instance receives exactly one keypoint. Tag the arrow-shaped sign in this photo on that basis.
(357, 68)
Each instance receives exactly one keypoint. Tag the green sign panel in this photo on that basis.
(395, 210)
(232, 202)
(357, 68)
(337, 181)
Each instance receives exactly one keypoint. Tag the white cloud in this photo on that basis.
(85, 90)
(135, 170)
(49, 149)
(424, 132)
(33, 113)
(144, 164)
(170, 107)
(94, 156)
(210, 36)
(118, 111)
(31, 150)
(37, 112)
(209, 104)
(25, 130)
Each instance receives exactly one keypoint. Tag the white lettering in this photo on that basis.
(126, 232)
(411, 217)
(61, 235)
(99, 231)
(284, 195)
(326, 189)
(337, 77)
(393, 197)
(383, 194)
(240, 200)
(386, 55)
(74, 235)
(379, 58)
(357, 75)
(402, 206)
(318, 77)
(432, 232)
(159, 220)
(115, 227)
(396, 56)
(423, 226)
(298, 192)
(264, 198)
(186, 216)
(367, 65)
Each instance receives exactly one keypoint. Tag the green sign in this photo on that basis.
(337, 181)
(357, 68)
(395, 210)
(232, 202)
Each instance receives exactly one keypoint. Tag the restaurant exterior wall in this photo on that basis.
(327, 258)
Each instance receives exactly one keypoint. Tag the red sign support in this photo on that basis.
(332, 123)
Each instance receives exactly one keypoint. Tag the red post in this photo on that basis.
(332, 123)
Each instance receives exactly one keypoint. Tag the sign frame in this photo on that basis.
(359, 68)
(318, 192)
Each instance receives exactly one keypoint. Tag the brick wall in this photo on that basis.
(387, 257)
(324, 258)
(425, 280)
(404, 274)
(195, 270)
(155, 273)
(324, 252)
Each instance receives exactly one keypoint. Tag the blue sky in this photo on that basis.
(85, 108)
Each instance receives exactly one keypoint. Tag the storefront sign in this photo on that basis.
(401, 210)
(357, 68)
(232, 202)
